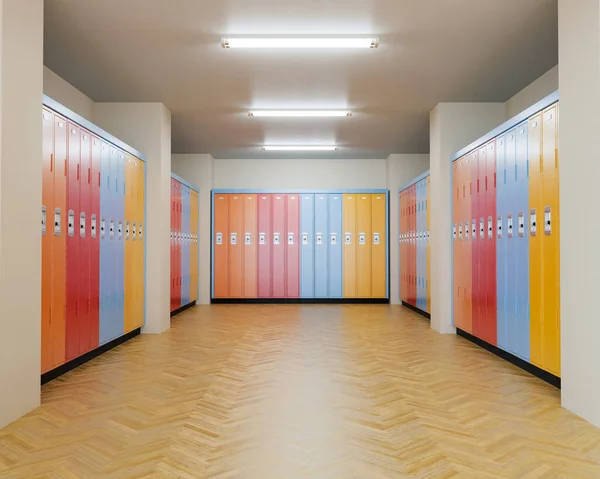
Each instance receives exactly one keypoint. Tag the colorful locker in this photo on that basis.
(321, 239)
(278, 265)
(106, 277)
(458, 317)
(427, 203)
(129, 272)
(120, 244)
(250, 246)
(264, 245)
(501, 244)
(194, 246)
(172, 201)
(178, 243)
(96, 177)
(413, 245)
(378, 238)
(466, 257)
(292, 247)
(140, 241)
(478, 266)
(419, 259)
(85, 205)
(335, 253)
(491, 329)
(185, 259)
(220, 244)
(349, 227)
(307, 247)
(236, 247)
(363, 246)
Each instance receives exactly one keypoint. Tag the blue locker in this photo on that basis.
(501, 243)
(307, 247)
(106, 279)
(511, 242)
(321, 249)
(120, 246)
(335, 246)
(522, 259)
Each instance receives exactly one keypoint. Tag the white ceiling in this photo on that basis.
(430, 51)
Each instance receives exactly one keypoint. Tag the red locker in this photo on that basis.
(178, 244)
(95, 244)
(73, 242)
(491, 329)
(85, 203)
(278, 247)
(480, 316)
(236, 246)
(264, 245)
(293, 246)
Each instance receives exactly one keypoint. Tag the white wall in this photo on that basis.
(401, 169)
(63, 92)
(301, 174)
(534, 92)
(198, 170)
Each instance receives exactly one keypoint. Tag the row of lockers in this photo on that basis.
(184, 244)
(415, 286)
(309, 245)
(92, 239)
(506, 241)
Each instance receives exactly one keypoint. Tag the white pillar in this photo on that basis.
(21, 80)
(198, 170)
(579, 79)
(147, 128)
(400, 170)
(452, 127)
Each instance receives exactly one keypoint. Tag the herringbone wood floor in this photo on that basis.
(299, 392)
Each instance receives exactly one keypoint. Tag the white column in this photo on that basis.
(579, 79)
(198, 170)
(400, 170)
(452, 127)
(21, 80)
(147, 128)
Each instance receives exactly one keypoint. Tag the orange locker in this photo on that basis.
(467, 260)
(349, 250)
(236, 247)
(250, 246)
(379, 246)
(220, 244)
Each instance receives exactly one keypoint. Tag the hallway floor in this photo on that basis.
(288, 391)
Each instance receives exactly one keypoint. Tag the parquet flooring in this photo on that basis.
(291, 391)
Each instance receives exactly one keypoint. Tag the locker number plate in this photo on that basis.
(247, 238)
(333, 238)
(375, 238)
(319, 238)
(57, 222)
(233, 238)
(219, 238)
(94, 221)
(275, 238)
(348, 238)
(304, 238)
(290, 238)
(71, 223)
(43, 220)
(262, 238)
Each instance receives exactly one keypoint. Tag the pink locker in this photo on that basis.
(264, 246)
(293, 247)
(278, 244)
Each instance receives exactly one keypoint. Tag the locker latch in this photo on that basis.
(93, 226)
(111, 229)
(247, 238)
(429, 235)
(140, 231)
(219, 238)
(490, 227)
(460, 231)
(400, 238)
(467, 230)
(133, 231)
(454, 231)
(521, 224)
(319, 238)
(375, 238)
(474, 229)
(120, 231)
(481, 229)
(348, 238)
(362, 239)
(43, 220)
(275, 238)
(57, 222)
(290, 238)
(127, 230)
(82, 225)
(533, 222)
(304, 238)
(333, 238)
(71, 223)
(232, 238)
(509, 225)
(102, 228)
(499, 227)
(262, 238)
(547, 221)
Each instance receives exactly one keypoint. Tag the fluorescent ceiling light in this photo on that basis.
(299, 148)
(254, 42)
(300, 113)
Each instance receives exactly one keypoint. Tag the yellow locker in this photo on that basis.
(536, 208)
(379, 243)
(349, 226)
(548, 231)
(130, 212)
(139, 242)
(363, 246)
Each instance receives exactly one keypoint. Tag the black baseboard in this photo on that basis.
(183, 308)
(511, 358)
(417, 310)
(65, 368)
(300, 301)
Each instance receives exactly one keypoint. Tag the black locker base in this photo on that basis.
(511, 358)
(417, 310)
(183, 308)
(65, 368)
(300, 301)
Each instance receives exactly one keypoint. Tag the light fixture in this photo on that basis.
(300, 113)
(299, 148)
(256, 42)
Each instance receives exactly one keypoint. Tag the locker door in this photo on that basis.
(139, 243)
(178, 244)
(83, 230)
(413, 246)
(401, 245)
(94, 223)
(220, 245)
(292, 244)
(335, 273)
(186, 289)
(466, 215)
(536, 210)
(379, 245)
(475, 244)
(321, 238)
(250, 246)
(349, 250)
(264, 246)
(73, 248)
(106, 279)
(120, 244)
(307, 247)
(458, 320)
(419, 260)
(549, 228)
(48, 167)
(501, 243)
(236, 246)
(129, 248)
(194, 246)
(428, 239)
(278, 264)
(511, 238)
(490, 240)
(363, 246)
